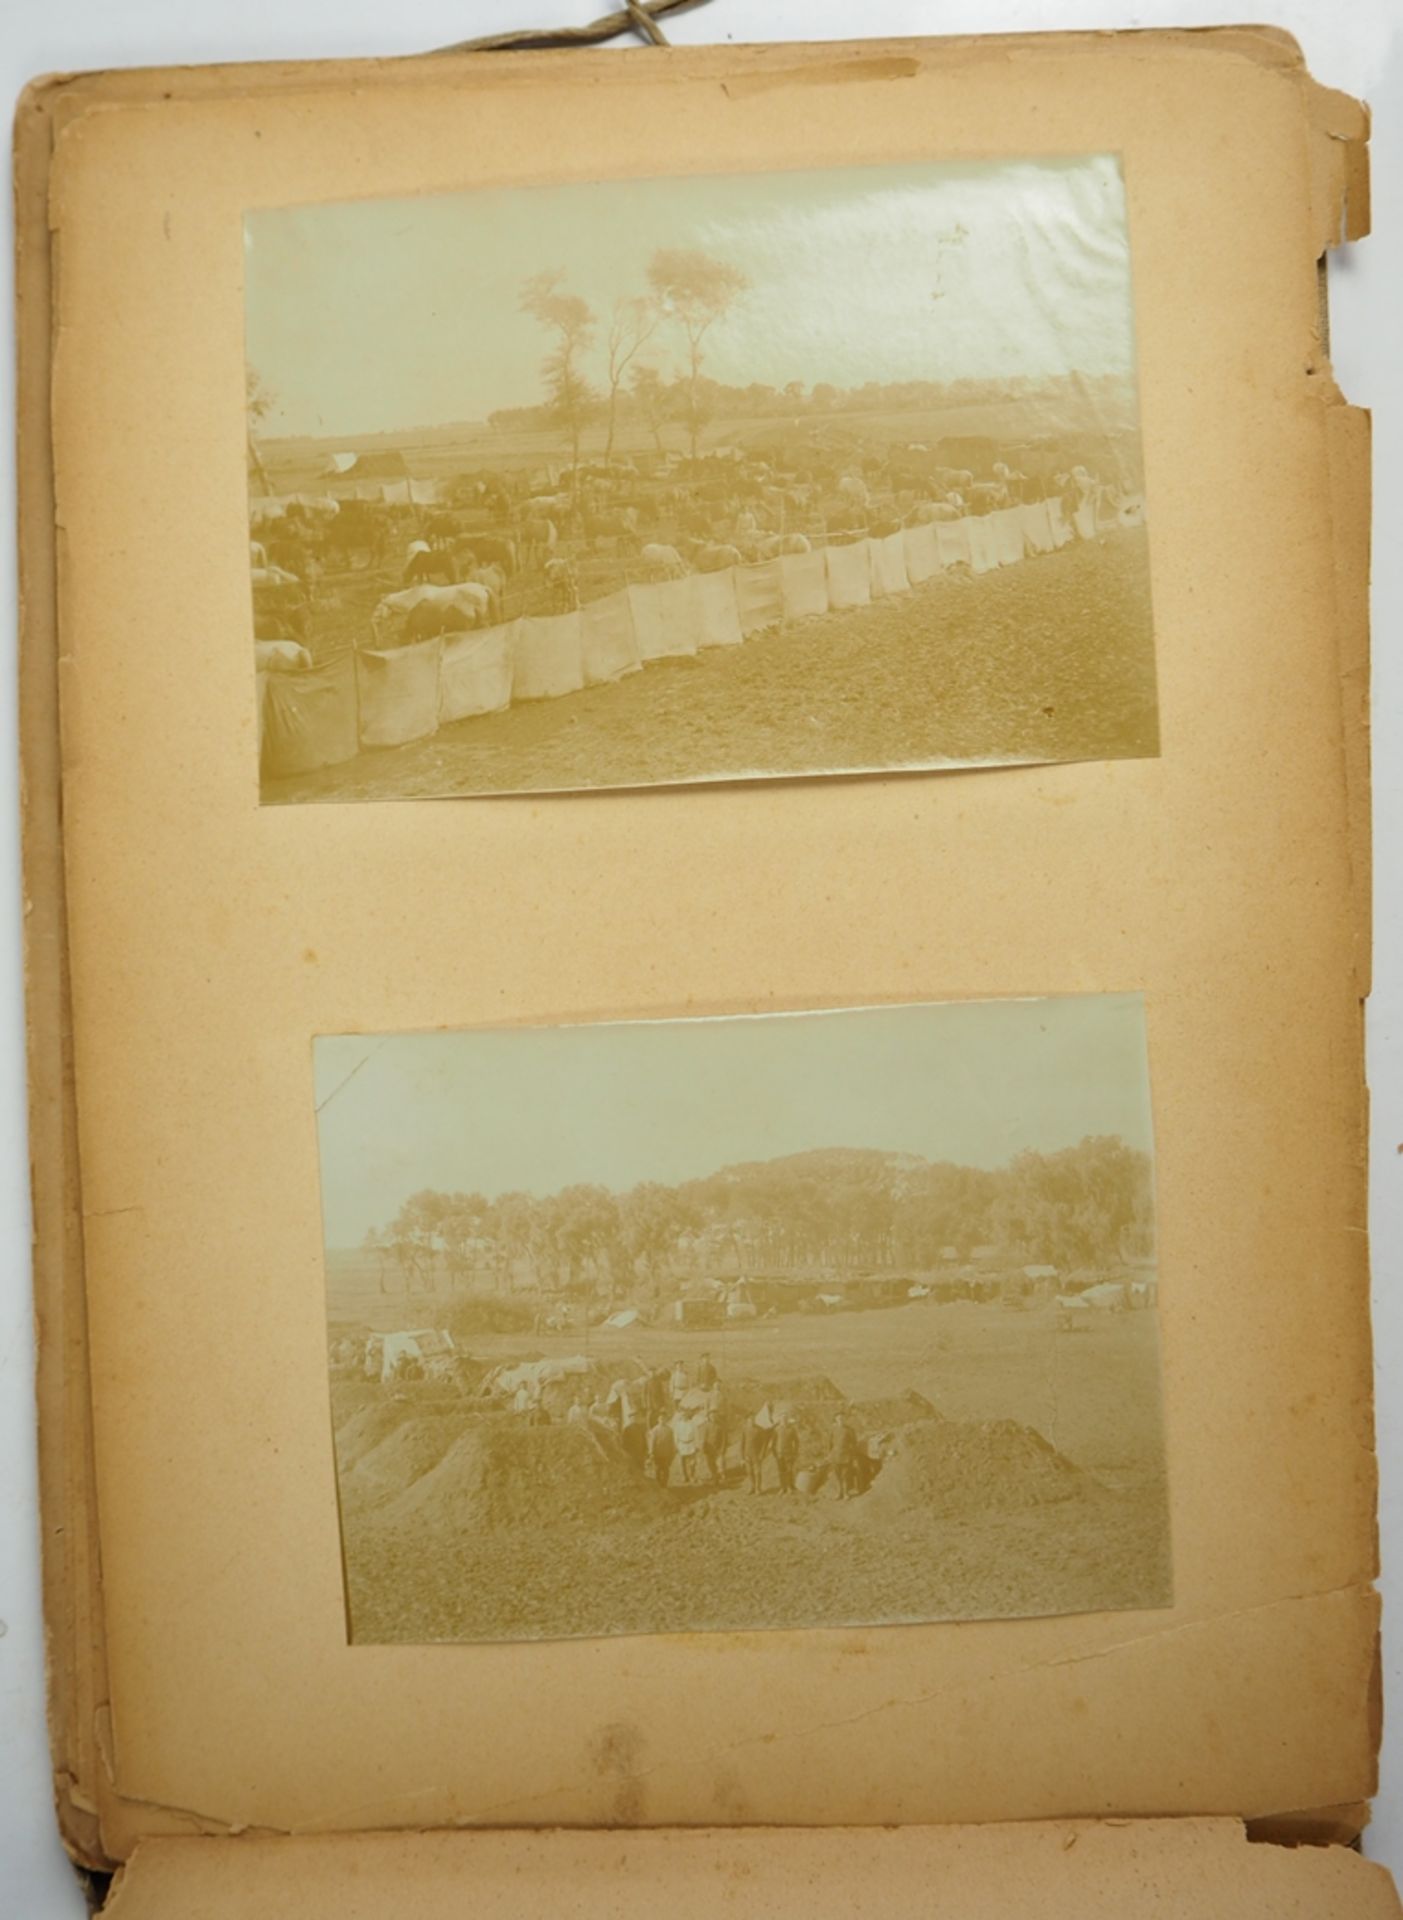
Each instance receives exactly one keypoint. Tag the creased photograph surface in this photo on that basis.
(637, 482)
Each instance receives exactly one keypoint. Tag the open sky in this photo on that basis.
(373, 315)
(540, 1108)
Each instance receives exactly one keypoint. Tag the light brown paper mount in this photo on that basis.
(183, 948)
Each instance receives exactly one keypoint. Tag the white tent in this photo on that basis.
(537, 1372)
(427, 1345)
(1109, 1294)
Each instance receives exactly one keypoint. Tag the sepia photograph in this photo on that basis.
(720, 477)
(777, 1321)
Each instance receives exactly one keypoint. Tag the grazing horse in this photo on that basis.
(441, 529)
(756, 1442)
(493, 549)
(434, 617)
(426, 565)
(427, 608)
(538, 538)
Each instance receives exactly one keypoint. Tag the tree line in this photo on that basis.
(654, 401)
(835, 1210)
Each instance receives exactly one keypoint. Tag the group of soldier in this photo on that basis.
(673, 1421)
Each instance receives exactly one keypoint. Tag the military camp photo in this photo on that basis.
(611, 1350)
(658, 481)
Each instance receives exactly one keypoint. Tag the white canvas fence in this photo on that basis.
(406, 693)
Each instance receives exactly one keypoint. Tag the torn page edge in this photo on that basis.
(1339, 165)
(72, 1591)
(1187, 1863)
(1348, 432)
(67, 97)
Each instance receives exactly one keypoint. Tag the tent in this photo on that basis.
(432, 1348)
(535, 1373)
(1107, 1296)
(389, 464)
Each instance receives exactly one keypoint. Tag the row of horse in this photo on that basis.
(551, 544)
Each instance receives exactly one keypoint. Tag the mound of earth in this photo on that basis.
(409, 1450)
(503, 1474)
(896, 1410)
(352, 1396)
(963, 1466)
(365, 1430)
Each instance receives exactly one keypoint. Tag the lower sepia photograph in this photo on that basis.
(773, 1321)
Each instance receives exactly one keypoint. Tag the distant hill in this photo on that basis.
(827, 1163)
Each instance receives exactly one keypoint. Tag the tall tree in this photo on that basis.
(515, 1225)
(414, 1239)
(652, 1219)
(694, 292)
(460, 1223)
(632, 326)
(584, 1229)
(375, 1244)
(653, 400)
(573, 400)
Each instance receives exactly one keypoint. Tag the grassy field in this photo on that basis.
(1044, 1488)
(1049, 660)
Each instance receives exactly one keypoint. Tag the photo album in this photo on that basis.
(765, 1304)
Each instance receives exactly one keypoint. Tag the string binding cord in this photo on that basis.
(635, 16)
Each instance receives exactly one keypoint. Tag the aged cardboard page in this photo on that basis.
(1067, 1871)
(212, 941)
(77, 1685)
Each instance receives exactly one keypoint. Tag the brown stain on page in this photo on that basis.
(616, 1753)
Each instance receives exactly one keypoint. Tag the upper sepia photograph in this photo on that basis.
(647, 482)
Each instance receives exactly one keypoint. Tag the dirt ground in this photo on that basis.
(1078, 1521)
(1049, 660)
